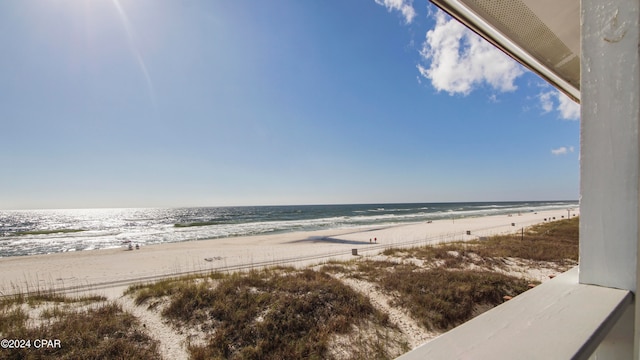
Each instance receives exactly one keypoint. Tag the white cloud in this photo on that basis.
(546, 101)
(567, 108)
(459, 60)
(563, 150)
(404, 6)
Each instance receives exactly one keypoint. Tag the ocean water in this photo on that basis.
(29, 232)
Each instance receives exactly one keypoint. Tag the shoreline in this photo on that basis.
(108, 269)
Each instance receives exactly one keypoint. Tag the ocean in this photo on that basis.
(30, 232)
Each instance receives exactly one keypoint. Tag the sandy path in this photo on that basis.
(414, 333)
(172, 343)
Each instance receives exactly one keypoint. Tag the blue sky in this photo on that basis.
(123, 103)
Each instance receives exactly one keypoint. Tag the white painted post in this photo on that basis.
(609, 152)
(610, 157)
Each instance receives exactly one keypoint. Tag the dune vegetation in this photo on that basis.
(74, 327)
(319, 312)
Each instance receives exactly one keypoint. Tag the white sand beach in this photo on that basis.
(109, 271)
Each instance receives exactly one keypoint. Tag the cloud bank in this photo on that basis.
(458, 60)
(405, 7)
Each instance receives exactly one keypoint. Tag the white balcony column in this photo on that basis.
(610, 156)
(609, 150)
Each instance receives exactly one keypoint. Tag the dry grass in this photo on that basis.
(555, 241)
(275, 314)
(39, 297)
(102, 331)
(441, 299)
(444, 293)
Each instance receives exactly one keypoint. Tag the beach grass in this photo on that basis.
(436, 283)
(441, 298)
(280, 313)
(555, 241)
(101, 330)
(41, 296)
